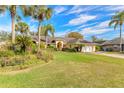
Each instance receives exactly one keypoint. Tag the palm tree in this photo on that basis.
(118, 20)
(13, 13)
(22, 27)
(39, 13)
(48, 29)
(24, 42)
(22, 39)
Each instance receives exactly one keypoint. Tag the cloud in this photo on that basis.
(79, 9)
(62, 33)
(33, 28)
(87, 25)
(97, 29)
(59, 9)
(117, 8)
(103, 24)
(75, 9)
(113, 8)
(5, 28)
(83, 18)
(89, 31)
(2, 15)
(33, 20)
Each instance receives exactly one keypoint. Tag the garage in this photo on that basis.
(88, 49)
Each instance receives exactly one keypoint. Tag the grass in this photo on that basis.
(69, 70)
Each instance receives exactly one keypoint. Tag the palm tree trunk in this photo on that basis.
(39, 36)
(13, 29)
(120, 38)
(46, 41)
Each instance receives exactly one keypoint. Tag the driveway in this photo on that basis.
(110, 55)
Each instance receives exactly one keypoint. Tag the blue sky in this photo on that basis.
(89, 20)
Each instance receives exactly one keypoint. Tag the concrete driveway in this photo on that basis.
(110, 55)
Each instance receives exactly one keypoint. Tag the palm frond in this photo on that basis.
(113, 22)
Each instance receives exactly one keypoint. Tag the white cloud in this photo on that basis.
(117, 8)
(62, 33)
(79, 9)
(2, 14)
(103, 24)
(75, 9)
(59, 9)
(33, 21)
(83, 18)
(86, 25)
(5, 27)
(33, 28)
(88, 31)
(98, 29)
(112, 8)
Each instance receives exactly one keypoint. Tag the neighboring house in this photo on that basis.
(113, 45)
(87, 46)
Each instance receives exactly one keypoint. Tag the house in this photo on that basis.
(62, 42)
(113, 45)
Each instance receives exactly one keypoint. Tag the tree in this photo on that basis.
(75, 35)
(94, 39)
(39, 13)
(46, 30)
(13, 13)
(118, 20)
(22, 27)
(22, 39)
(24, 42)
(97, 40)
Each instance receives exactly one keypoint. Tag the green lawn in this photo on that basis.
(70, 70)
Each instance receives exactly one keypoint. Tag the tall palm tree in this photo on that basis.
(39, 13)
(118, 20)
(46, 30)
(13, 13)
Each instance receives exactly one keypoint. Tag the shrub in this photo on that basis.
(69, 49)
(6, 53)
(11, 61)
(44, 55)
(23, 42)
(5, 61)
(98, 48)
(51, 46)
(42, 45)
(34, 48)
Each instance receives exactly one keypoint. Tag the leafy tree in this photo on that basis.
(13, 13)
(75, 35)
(118, 20)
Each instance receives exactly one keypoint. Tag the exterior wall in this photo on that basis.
(111, 48)
(94, 48)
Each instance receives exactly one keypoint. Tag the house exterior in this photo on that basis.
(113, 45)
(62, 43)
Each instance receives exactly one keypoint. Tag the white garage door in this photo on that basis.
(87, 49)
